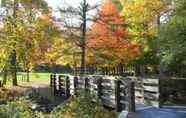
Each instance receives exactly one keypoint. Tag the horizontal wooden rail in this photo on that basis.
(110, 90)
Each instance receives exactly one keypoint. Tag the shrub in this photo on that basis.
(82, 107)
(75, 107)
(15, 109)
(8, 95)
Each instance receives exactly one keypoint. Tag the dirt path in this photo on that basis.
(40, 87)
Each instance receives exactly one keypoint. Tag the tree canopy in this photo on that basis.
(172, 37)
(147, 33)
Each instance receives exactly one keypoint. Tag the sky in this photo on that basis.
(55, 4)
(59, 3)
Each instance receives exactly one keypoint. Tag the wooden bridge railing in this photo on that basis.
(147, 92)
(120, 94)
(113, 92)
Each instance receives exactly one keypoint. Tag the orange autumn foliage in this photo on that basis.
(108, 37)
(47, 19)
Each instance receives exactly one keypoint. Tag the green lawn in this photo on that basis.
(34, 76)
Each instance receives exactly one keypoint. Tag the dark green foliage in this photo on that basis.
(172, 40)
(171, 93)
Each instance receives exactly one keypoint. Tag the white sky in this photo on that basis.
(64, 3)
(55, 4)
(59, 3)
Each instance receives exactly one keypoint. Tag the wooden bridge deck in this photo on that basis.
(159, 113)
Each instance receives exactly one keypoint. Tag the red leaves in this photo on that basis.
(131, 46)
(120, 32)
(109, 36)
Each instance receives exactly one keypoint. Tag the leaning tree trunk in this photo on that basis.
(14, 68)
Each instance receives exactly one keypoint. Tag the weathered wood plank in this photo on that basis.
(151, 81)
(124, 102)
(151, 88)
(138, 94)
(152, 103)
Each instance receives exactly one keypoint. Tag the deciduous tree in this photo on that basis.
(144, 17)
(108, 39)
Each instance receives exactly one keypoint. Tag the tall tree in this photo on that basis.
(108, 39)
(78, 32)
(172, 37)
(143, 17)
(14, 25)
(61, 52)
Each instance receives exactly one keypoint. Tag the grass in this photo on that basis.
(33, 76)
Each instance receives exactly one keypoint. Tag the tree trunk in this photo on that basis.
(120, 69)
(14, 82)
(83, 37)
(28, 75)
(83, 61)
(14, 68)
(137, 69)
(13, 55)
(161, 67)
(4, 76)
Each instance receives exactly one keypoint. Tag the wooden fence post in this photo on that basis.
(99, 87)
(131, 95)
(75, 85)
(60, 86)
(117, 96)
(67, 86)
(86, 83)
(55, 84)
(51, 80)
(160, 91)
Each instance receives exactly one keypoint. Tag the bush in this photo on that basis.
(15, 109)
(82, 107)
(8, 95)
(75, 107)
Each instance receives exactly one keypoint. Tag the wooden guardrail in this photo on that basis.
(114, 93)
(60, 85)
(118, 93)
(147, 92)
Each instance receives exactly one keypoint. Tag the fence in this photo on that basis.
(159, 92)
(125, 93)
(124, 71)
(113, 92)
(147, 92)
